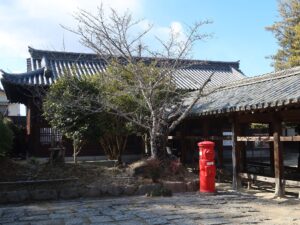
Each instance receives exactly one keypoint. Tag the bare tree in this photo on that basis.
(141, 73)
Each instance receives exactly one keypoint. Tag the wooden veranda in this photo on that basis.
(212, 128)
(271, 100)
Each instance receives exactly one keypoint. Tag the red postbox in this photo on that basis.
(207, 168)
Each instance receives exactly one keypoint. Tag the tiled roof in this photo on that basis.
(266, 91)
(47, 66)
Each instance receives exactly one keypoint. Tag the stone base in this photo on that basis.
(94, 191)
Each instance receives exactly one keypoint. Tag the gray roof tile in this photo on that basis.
(269, 90)
(47, 66)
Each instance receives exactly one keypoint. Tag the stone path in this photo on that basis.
(192, 208)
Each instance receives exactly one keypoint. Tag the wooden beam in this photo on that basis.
(267, 138)
(200, 138)
(290, 115)
(290, 138)
(255, 138)
(278, 160)
(254, 177)
(255, 118)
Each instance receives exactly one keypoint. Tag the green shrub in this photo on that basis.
(6, 137)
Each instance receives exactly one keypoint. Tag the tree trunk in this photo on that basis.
(113, 146)
(158, 144)
(77, 145)
(75, 150)
(146, 143)
(122, 140)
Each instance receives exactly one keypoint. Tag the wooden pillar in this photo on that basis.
(29, 133)
(28, 120)
(219, 147)
(241, 146)
(278, 159)
(236, 181)
(182, 143)
(271, 149)
(298, 133)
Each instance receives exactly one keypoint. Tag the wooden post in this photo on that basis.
(241, 146)
(278, 160)
(236, 181)
(28, 119)
(28, 129)
(271, 148)
(183, 143)
(219, 149)
(299, 156)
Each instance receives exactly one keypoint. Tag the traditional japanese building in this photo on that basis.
(260, 117)
(45, 67)
(255, 122)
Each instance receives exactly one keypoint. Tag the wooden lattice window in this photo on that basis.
(49, 135)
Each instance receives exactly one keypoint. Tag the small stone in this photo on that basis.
(91, 191)
(124, 217)
(186, 222)
(100, 219)
(146, 188)
(69, 193)
(175, 186)
(131, 222)
(144, 215)
(7, 220)
(115, 190)
(59, 216)
(17, 223)
(192, 186)
(14, 196)
(173, 217)
(75, 221)
(43, 194)
(130, 189)
(37, 217)
(156, 220)
(48, 222)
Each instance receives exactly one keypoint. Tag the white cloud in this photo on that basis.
(176, 27)
(37, 23)
(14, 44)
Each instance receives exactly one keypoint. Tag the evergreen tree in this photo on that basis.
(287, 32)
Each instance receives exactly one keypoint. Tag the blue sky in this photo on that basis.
(238, 27)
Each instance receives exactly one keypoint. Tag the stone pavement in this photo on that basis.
(188, 208)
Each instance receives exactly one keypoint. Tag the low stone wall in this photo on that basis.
(92, 191)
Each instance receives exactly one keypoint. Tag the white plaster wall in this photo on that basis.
(14, 109)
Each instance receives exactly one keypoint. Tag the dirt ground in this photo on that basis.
(90, 172)
(84, 172)
(281, 211)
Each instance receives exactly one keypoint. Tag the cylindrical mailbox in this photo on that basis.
(207, 168)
